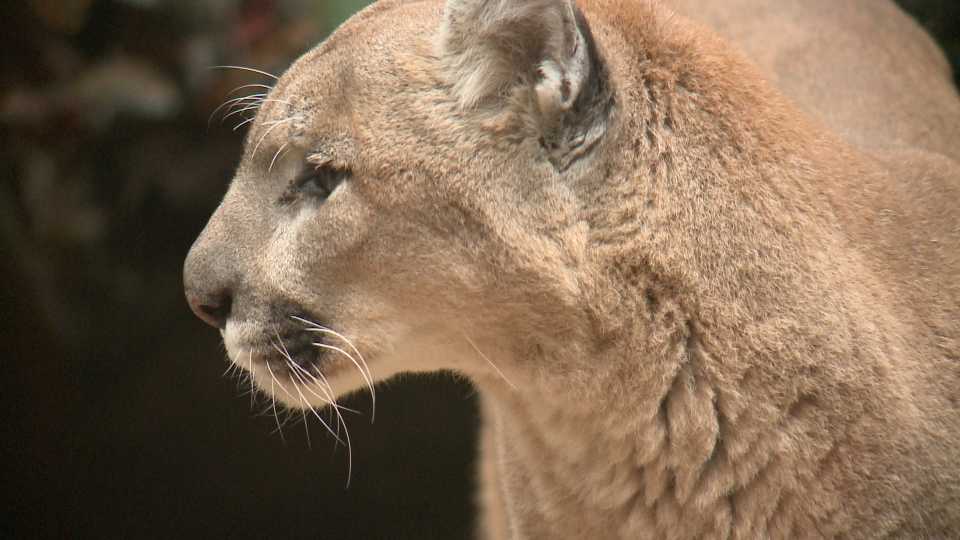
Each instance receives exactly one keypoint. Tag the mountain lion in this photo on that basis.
(701, 258)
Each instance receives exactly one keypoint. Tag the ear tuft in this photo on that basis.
(534, 61)
(487, 46)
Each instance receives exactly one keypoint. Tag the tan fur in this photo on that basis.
(702, 296)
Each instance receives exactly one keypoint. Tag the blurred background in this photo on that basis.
(119, 420)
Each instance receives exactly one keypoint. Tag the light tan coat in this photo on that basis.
(708, 284)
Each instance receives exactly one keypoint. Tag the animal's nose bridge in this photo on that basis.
(211, 273)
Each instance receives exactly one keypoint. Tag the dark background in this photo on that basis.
(118, 419)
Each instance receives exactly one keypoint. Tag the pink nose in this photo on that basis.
(212, 310)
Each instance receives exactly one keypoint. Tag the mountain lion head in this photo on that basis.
(411, 189)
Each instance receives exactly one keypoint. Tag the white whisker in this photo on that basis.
(282, 120)
(324, 386)
(244, 68)
(256, 103)
(266, 87)
(252, 101)
(253, 107)
(273, 404)
(303, 413)
(346, 435)
(245, 122)
(313, 410)
(373, 394)
(340, 422)
(253, 387)
(362, 365)
(271, 128)
(494, 366)
(277, 155)
(277, 379)
(231, 103)
(349, 343)
(229, 371)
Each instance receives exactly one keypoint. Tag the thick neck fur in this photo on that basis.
(739, 365)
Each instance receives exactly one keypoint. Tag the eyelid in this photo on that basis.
(321, 159)
(306, 173)
(326, 176)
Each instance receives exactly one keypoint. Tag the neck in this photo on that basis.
(665, 442)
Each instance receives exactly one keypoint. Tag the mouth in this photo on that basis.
(300, 352)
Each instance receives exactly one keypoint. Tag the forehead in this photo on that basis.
(362, 66)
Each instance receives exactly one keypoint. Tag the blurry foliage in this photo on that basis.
(108, 100)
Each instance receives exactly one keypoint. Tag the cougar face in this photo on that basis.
(364, 234)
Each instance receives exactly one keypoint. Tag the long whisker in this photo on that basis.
(231, 103)
(312, 409)
(272, 122)
(245, 122)
(227, 103)
(373, 394)
(266, 87)
(234, 370)
(230, 368)
(303, 412)
(346, 435)
(364, 368)
(324, 383)
(335, 408)
(330, 331)
(253, 387)
(277, 155)
(252, 107)
(242, 377)
(346, 432)
(494, 366)
(256, 103)
(244, 68)
(349, 343)
(280, 384)
(271, 128)
(253, 100)
(273, 403)
(324, 386)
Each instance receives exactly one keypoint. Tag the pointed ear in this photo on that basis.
(536, 58)
(489, 46)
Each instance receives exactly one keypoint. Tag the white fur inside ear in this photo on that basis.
(550, 88)
(560, 84)
(488, 45)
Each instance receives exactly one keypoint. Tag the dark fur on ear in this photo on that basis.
(492, 48)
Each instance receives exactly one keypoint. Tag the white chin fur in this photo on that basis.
(234, 336)
(415, 354)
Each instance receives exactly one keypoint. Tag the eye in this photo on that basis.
(319, 180)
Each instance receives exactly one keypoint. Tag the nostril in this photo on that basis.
(213, 310)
